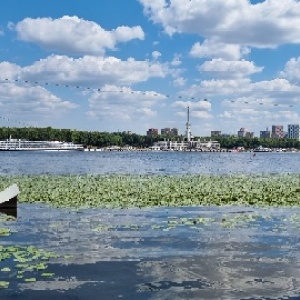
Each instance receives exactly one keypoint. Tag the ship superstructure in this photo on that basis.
(25, 145)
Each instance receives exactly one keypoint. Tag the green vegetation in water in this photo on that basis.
(124, 191)
(23, 262)
(4, 219)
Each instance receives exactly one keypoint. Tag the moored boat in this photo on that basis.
(262, 149)
(25, 145)
(8, 197)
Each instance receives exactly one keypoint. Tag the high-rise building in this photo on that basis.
(266, 134)
(152, 132)
(174, 131)
(165, 131)
(277, 131)
(293, 131)
(245, 133)
(215, 133)
(169, 131)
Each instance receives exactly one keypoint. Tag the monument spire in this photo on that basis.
(188, 126)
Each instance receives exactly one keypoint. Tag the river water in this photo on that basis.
(163, 163)
(155, 253)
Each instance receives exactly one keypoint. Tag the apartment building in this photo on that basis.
(265, 134)
(215, 133)
(152, 132)
(169, 131)
(293, 131)
(244, 133)
(277, 132)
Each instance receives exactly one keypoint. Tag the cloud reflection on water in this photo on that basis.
(230, 252)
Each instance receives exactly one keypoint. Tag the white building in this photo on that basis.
(294, 131)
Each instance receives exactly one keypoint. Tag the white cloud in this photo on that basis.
(74, 35)
(266, 24)
(24, 99)
(226, 115)
(176, 60)
(146, 112)
(277, 88)
(213, 49)
(156, 55)
(292, 70)
(193, 105)
(254, 117)
(229, 69)
(125, 34)
(123, 103)
(201, 115)
(180, 81)
(9, 70)
(220, 87)
(93, 70)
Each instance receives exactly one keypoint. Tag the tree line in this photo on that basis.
(106, 139)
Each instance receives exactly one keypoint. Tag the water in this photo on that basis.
(170, 163)
(155, 253)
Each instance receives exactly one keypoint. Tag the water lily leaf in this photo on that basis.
(5, 270)
(4, 284)
(47, 274)
(31, 279)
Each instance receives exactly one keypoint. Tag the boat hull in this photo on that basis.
(25, 145)
(9, 200)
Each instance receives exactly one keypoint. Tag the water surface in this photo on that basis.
(155, 253)
(170, 163)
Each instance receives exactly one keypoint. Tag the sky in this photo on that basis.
(138, 64)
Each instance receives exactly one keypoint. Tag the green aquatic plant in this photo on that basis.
(123, 191)
(4, 284)
(20, 262)
(5, 232)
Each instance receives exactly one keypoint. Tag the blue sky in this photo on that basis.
(137, 64)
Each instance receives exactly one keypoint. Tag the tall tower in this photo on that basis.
(188, 126)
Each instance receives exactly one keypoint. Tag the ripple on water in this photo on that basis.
(160, 253)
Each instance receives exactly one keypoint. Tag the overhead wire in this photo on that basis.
(144, 93)
(149, 93)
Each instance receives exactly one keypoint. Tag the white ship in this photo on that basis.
(24, 145)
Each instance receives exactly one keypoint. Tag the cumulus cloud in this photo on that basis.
(219, 87)
(9, 70)
(180, 81)
(292, 70)
(146, 111)
(279, 88)
(193, 105)
(229, 69)
(71, 34)
(265, 24)
(156, 54)
(201, 115)
(93, 70)
(211, 48)
(176, 60)
(22, 99)
(123, 103)
(107, 101)
(244, 87)
(254, 117)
